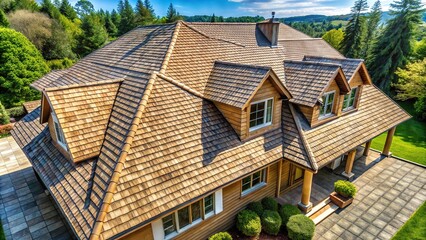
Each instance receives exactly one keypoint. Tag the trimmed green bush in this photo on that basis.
(248, 222)
(16, 111)
(271, 222)
(256, 207)
(4, 117)
(221, 236)
(286, 211)
(300, 227)
(270, 203)
(345, 188)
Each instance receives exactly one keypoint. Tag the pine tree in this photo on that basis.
(50, 9)
(213, 18)
(352, 41)
(143, 15)
(127, 21)
(115, 17)
(94, 34)
(148, 6)
(172, 15)
(3, 20)
(394, 44)
(373, 22)
(110, 26)
(67, 10)
(4, 116)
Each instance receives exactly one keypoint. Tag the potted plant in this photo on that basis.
(344, 192)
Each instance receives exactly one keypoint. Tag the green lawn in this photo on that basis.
(415, 227)
(409, 141)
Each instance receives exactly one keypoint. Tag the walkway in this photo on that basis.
(26, 211)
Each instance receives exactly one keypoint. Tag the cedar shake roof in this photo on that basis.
(349, 65)
(83, 112)
(376, 114)
(30, 106)
(308, 80)
(166, 143)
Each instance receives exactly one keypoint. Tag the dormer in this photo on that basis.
(249, 97)
(316, 88)
(77, 117)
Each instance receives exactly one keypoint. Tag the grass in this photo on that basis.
(409, 141)
(2, 236)
(415, 227)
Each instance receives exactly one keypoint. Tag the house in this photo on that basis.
(169, 131)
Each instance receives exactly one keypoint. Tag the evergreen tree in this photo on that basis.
(50, 9)
(110, 26)
(394, 44)
(143, 15)
(27, 5)
(3, 20)
(94, 34)
(4, 116)
(84, 7)
(352, 40)
(373, 22)
(115, 17)
(148, 6)
(172, 15)
(67, 10)
(213, 18)
(127, 21)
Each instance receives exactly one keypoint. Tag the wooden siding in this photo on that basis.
(55, 140)
(266, 91)
(234, 116)
(144, 233)
(285, 175)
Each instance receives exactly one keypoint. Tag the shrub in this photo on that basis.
(5, 129)
(16, 111)
(4, 117)
(256, 207)
(270, 203)
(288, 210)
(345, 188)
(271, 222)
(221, 236)
(300, 227)
(60, 63)
(248, 222)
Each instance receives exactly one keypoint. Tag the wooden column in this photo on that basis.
(280, 171)
(367, 148)
(305, 204)
(349, 164)
(388, 143)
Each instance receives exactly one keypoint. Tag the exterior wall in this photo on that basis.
(285, 176)
(336, 106)
(55, 140)
(234, 116)
(144, 233)
(266, 91)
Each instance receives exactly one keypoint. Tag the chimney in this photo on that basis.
(270, 29)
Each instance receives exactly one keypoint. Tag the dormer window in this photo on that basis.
(59, 135)
(349, 100)
(327, 104)
(261, 114)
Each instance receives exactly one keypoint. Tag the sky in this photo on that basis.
(227, 8)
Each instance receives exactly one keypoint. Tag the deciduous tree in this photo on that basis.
(84, 7)
(334, 37)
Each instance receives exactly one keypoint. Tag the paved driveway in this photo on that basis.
(26, 211)
(388, 194)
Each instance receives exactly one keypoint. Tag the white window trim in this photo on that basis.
(348, 100)
(325, 115)
(260, 185)
(265, 124)
(55, 120)
(157, 225)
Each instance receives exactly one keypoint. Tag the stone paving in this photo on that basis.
(388, 194)
(26, 211)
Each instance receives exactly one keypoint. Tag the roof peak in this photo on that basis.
(333, 58)
(242, 65)
(86, 84)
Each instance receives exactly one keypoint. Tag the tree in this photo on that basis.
(110, 26)
(115, 17)
(148, 6)
(127, 21)
(59, 45)
(213, 18)
(172, 15)
(412, 85)
(334, 37)
(67, 10)
(4, 116)
(143, 16)
(393, 46)
(50, 9)
(84, 7)
(20, 64)
(419, 49)
(3, 20)
(94, 34)
(373, 22)
(352, 40)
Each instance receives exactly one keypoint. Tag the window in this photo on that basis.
(327, 107)
(59, 135)
(298, 173)
(261, 114)
(349, 100)
(253, 181)
(188, 216)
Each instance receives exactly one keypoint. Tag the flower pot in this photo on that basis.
(340, 200)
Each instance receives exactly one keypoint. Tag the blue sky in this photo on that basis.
(283, 8)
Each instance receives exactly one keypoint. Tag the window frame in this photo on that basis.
(265, 112)
(348, 100)
(252, 188)
(326, 103)
(58, 132)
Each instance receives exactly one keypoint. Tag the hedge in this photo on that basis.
(248, 222)
(221, 236)
(300, 227)
(271, 222)
(286, 211)
(256, 207)
(270, 203)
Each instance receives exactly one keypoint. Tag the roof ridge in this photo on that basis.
(171, 47)
(220, 23)
(180, 85)
(302, 136)
(333, 58)
(86, 84)
(241, 64)
(299, 39)
(208, 36)
(313, 63)
(106, 201)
